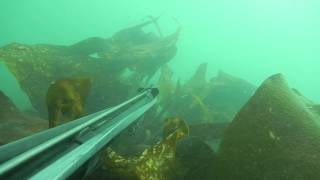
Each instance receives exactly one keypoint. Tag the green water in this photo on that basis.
(273, 136)
(252, 39)
(12, 89)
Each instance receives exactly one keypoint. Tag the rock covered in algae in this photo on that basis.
(15, 124)
(274, 136)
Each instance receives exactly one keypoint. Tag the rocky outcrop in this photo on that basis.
(274, 136)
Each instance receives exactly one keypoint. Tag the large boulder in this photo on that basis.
(275, 136)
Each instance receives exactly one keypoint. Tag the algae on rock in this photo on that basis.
(274, 136)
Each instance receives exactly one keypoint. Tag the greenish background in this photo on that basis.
(252, 39)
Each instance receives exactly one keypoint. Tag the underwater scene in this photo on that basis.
(160, 90)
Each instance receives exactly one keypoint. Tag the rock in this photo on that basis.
(6, 106)
(200, 101)
(227, 95)
(208, 131)
(274, 136)
(186, 100)
(198, 84)
(195, 160)
(15, 124)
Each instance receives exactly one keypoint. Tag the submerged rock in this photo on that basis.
(274, 136)
(201, 101)
(185, 100)
(208, 106)
(198, 84)
(195, 160)
(7, 107)
(208, 131)
(227, 95)
(15, 124)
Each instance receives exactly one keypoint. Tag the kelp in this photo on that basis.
(156, 162)
(102, 59)
(66, 100)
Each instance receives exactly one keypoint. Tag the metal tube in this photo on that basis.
(10, 164)
(65, 166)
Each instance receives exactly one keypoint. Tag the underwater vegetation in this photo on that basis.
(156, 162)
(104, 60)
(221, 128)
(66, 100)
(193, 99)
